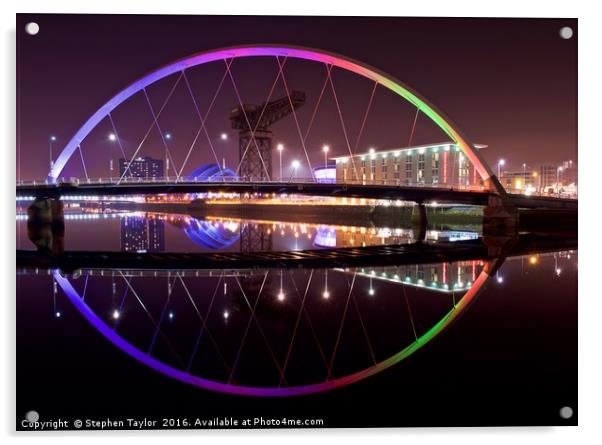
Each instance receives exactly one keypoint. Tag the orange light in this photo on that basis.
(533, 259)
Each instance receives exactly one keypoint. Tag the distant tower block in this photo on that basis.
(254, 136)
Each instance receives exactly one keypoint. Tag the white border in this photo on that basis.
(590, 299)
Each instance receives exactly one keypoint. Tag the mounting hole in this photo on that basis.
(566, 412)
(566, 32)
(32, 28)
(32, 416)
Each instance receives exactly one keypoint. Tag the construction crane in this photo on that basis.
(254, 136)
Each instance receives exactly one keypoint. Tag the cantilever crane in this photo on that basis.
(253, 122)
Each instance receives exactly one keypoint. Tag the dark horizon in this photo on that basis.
(508, 83)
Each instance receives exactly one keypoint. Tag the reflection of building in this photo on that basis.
(425, 164)
(140, 234)
(371, 236)
(255, 238)
(146, 167)
(443, 277)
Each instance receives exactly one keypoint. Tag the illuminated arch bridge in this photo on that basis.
(179, 73)
(413, 172)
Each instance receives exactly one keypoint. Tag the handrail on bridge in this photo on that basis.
(74, 182)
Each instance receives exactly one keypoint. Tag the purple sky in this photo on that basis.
(508, 83)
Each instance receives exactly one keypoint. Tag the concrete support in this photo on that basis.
(419, 222)
(46, 225)
(499, 217)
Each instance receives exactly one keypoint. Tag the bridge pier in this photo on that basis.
(46, 225)
(499, 217)
(419, 222)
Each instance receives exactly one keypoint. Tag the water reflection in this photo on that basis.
(275, 331)
(140, 234)
(136, 231)
(267, 332)
(279, 332)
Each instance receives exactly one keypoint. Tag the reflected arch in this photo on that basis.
(110, 334)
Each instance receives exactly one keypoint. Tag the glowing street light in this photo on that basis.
(558, 172)
(325, 149)
(116, 314)
(280, 148)
(294, 166)
(167, 135)
(52, 139)
(224, 136)
(500, 164)
(112, 138)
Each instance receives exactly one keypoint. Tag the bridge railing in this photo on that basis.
(172, 180)
(108, 181)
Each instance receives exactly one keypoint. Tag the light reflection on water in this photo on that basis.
(158, 232)
(268, 332)
(279, 332)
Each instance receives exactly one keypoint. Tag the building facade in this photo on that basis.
(326, 174)
(442, 163)
(520, 181)
(568, 175)
(548, 176)
(146, 167)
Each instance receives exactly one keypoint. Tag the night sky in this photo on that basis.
(508, 83)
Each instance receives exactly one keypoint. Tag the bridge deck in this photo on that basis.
(419, 194)
(399, 254)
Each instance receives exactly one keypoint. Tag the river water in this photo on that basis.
(448, 342)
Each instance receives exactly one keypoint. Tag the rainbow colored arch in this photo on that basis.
(279, 51)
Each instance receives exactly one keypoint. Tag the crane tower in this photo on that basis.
(254, 136)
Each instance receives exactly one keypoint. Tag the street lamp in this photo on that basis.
(224, 136)
(52, 139)
(280, 147)
(558, 172)
(294, 166)
(112, 138)
(167, 138)
(325, 149)
(500, 164)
